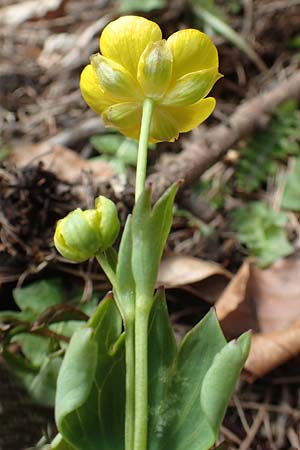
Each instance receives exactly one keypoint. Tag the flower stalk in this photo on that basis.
(148, 108)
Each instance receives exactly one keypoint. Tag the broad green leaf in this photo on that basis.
(291, 194)
(91, 384)
(162, 354)
(39, 296)
(150, 230)
(217, 388)
(185, 413)
(125, 285)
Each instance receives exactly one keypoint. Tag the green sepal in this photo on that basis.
(150, 229)
(189, 390)
(90, 397)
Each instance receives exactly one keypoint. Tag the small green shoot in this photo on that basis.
(262, 230)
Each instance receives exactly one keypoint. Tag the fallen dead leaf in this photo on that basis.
(268, 302)
(65, 163)
(18, 13)
(208, 279)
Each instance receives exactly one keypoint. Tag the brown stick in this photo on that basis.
(198, 155)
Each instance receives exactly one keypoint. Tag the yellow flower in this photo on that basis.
(136, 63)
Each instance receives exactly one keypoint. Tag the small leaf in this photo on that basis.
(43, 386)
(107, 143)
(39, 296)
(34, 347)
(262, 230)
(291, 194)
(135, 5)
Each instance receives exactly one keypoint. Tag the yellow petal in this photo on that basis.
(155, 69)
(123, 115)
(114, 79)
(163, 127)
(132, 133)
(191, 87)
(92, 91)
(189, 117)
(192, 51)
(125, 39)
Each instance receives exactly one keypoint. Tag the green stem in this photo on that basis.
(130, 376)
(107, 269)
(142, 312)
(141, 169)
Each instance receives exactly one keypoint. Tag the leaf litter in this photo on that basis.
(48, 52)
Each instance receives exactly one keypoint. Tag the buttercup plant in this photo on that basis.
(135, 389)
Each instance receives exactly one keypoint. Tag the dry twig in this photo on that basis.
(205, 149)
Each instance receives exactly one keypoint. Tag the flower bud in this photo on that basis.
(155, 69)
(82, 234)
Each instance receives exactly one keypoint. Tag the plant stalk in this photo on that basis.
(130, 385)
(142, 313)
(107, 269)
(141, 169)
(142, 305)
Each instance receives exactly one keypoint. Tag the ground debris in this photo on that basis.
(32, 199)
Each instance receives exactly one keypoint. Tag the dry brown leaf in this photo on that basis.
(65, 163)
(18, 13)
(268, 302)
(208, 279)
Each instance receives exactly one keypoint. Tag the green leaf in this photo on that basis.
(262, 230)
(91, 384)
(59, 443)
(217, 388)
(136, 5)
(162, 353)
(107, 143)
(39, 296)
(185, 413)
(125, 285)
(127, 152)
(261, 157)
(219, 25)
(150, 230)
(42, 388)
(34, 347)
(291, 194)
